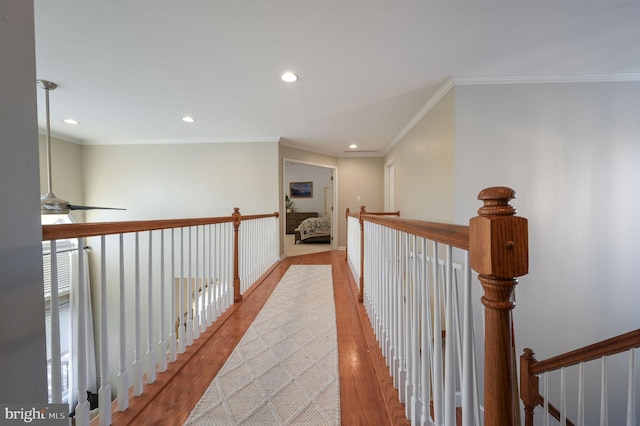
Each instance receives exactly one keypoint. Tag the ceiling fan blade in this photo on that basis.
(76, 207)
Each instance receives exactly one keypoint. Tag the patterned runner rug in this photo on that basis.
(284, 371)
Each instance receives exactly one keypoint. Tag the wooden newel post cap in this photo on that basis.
(498, 240)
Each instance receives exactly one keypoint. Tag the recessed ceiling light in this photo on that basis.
(353, 146)
(71, 121)
(289, 77)
(188, 119)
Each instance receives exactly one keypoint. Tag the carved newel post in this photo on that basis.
(498, 251)
(237, 297)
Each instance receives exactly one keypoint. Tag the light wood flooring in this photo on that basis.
(367, 396)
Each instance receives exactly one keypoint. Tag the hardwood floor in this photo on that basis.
(367, 396)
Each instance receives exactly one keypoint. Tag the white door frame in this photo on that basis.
(334, 184)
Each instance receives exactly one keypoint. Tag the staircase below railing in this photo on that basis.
(531, 370)
(158, 299)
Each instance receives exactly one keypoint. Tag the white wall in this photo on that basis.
(23, 377)
(181, 181)
(423, 160)
(572, 153)
(66, 172)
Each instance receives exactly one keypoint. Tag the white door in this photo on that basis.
(328, 201)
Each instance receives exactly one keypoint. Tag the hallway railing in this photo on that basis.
(156, 286)
(415, 282)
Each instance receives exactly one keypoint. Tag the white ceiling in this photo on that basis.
(129, 70)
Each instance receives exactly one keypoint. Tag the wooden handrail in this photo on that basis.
(358, 216)
(606, 347)
(530, 368)
(83, 230)
(454, 235)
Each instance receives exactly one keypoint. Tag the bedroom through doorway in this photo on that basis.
(310, 197)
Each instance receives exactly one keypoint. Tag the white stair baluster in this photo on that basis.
(438, 376)
(162, 343)
(545, 410)
(172, 305)
(138, 368)
(604, 395)
(196, 288)
(631, 392)
(104, 392)
(190, 286)
(563, 397)
(467, 352)
(82, 407)
(151, 351)
(580, 416)
(449, 363)
(123, 373)
(427, 337)
(182, 327)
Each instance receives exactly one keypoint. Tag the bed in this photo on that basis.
(314, 230)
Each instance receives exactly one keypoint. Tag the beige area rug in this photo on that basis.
(284, 371)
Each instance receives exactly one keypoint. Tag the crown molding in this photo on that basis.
(180, 141)
(443, 90)
(523, 79)
(541, 79)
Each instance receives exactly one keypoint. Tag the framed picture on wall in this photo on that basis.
(301, 189)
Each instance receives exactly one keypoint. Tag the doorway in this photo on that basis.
(322, 202)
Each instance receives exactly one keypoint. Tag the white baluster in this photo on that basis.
(438, 385)
(104, 393)
(631, 392)
(604, 395)
(204, 285)
(426, 338)
(395, 365)
(138, 368)
(206, 301)
(151, 351)
(388, 298)
(182, 329)
(216, 278)
(467, 352)
(56, 360)
(196, 289)
(211, 307)
(545, 410)
(415, 329)
(406, 321)
(189, 319)
(449, 363)
(580, 419)
(162, 344)
(172, 304)
(82, 408)
(563, 398)
(123, 373)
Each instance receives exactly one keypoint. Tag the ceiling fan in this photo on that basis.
(49, 203)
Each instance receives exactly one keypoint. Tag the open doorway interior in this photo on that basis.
(310, 194)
